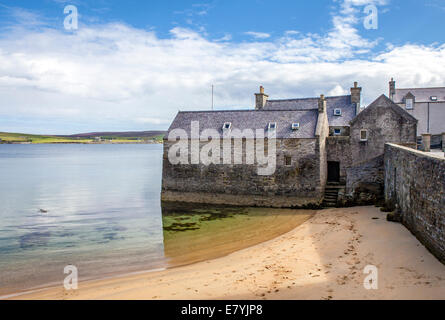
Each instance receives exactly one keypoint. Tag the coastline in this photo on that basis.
(323, 258)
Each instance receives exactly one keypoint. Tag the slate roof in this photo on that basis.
(384, 101)
(251, 119)
(342, 102)
(421, 94)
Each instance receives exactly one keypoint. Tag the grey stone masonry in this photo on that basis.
(293, 184)
(415, 185)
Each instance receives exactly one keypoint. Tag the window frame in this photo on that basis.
(335, 132)
(411, 103)
(269, 127)
(339, 113)
(286, 158)
(367, 135)
(225, 124)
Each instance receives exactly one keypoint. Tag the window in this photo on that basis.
(295, 126)
(409, 104)
(227, 126)
(363, 135)
(272, 126)
(433, 98)
(288, 160)
(337, 132)
(337, 112)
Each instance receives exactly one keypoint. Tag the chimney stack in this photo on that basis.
(356, 97)
(392, 89)
(260, 99)
(322, 104)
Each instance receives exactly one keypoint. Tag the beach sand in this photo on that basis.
(324, 258)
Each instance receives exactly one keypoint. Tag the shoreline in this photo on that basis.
(323, 258)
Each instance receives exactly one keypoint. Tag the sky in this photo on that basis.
(132, 65)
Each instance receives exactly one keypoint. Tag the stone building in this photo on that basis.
(327, 149)
(426, 104)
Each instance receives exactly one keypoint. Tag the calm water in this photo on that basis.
(104, 215)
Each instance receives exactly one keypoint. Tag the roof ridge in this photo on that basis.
(310, 98)
(420, 88)
(249, 110)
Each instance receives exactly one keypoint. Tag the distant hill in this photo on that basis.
(127, 134)
(85, 138)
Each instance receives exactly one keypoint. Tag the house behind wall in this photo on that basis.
(427, 105)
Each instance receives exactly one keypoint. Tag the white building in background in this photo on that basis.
(426, 104)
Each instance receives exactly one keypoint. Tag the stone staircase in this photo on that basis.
(331, 195)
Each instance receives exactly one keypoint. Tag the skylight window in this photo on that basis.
(272, 126)
(227, 126)
(296, 126)
(337, 112)
(433, 98)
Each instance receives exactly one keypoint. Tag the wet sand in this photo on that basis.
(323, 258)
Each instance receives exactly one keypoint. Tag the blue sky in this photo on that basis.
(131, 65)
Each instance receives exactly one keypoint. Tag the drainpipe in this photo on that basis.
(428, 128)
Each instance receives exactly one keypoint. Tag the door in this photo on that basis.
(333, 171)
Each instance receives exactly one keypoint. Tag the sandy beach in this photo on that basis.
(323, 258)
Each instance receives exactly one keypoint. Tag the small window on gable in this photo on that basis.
(363, 135)
(227, 126)
(433, 98)
(337, 132)
(337, 112)
(288, 160)
(272, 126)
(295, 126)
(409, 104)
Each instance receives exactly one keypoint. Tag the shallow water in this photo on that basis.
(98, 207)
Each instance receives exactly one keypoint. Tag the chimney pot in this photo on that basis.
(392, 89)
(356, 97)
(260, 99)
(322, 104)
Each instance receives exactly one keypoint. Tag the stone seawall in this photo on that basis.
(415, 184)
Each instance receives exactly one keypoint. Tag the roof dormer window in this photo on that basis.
(409, 104)
(227, 126)
(337, 112)
(272, 126)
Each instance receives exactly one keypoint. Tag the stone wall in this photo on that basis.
(339, 150)
(383, 126)
(415, 183)
(365, 182)
(297, 184)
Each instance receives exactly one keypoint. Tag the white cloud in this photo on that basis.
(116, 76)
(257, 35)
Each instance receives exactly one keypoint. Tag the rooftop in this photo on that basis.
(421, 94)
(348, 109)
(251, 119)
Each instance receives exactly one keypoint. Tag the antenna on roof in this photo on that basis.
(212, 97)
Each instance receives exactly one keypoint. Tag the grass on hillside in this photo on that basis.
(38, 139)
